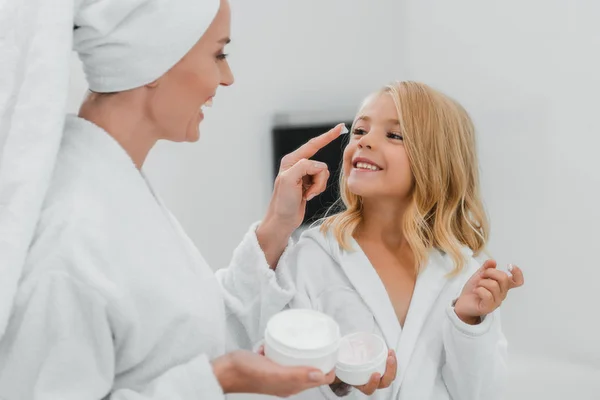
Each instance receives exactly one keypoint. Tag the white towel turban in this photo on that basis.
(123, 44)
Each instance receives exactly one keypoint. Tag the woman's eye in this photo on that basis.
(395, 136)
(222, 56)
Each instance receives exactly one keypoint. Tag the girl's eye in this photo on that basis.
(222, 56)
(359, 131)
(395, 136)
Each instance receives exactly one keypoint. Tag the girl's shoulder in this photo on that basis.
(470, 266)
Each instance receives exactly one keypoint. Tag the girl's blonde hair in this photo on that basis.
(445, 210)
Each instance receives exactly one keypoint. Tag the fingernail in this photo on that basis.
(391, 361)
(320, 165)
(315, 376)
(509, 269)
(312, 196)
(344, 129)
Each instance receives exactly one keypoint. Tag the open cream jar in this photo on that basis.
(303, 337)
(361, 355)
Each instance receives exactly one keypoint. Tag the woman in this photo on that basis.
(104, 296)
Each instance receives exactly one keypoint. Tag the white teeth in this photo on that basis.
(208, 103)
(363, 165)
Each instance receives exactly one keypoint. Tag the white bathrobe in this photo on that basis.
(439, 356)
(115, 301)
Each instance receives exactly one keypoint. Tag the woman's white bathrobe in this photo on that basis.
(115, 301)
(439, 356)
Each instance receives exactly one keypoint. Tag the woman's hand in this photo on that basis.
(485, 291)
(376, 382)
(247, 372)
(299, 180)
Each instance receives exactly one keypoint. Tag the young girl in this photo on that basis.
(398, 260)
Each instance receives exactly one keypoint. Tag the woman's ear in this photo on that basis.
(153, 84)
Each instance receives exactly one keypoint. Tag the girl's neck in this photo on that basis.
(382, 222)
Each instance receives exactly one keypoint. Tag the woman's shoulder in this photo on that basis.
(95, 186)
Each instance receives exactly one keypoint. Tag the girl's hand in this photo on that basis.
(485, 291)
(381, 382)
(376, 382)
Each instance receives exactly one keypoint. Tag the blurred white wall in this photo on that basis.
(527, 70)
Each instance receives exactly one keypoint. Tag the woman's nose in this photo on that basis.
(227, 76)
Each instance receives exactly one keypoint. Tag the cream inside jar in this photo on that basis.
(302, 337)
(303, 329)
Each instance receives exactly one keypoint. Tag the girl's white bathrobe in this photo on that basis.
(439, 356)
(115, 301)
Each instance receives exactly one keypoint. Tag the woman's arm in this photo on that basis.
(298, 181)
(252, 291)
(59, 345)
(254, 288)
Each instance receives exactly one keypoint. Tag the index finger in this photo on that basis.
(315, 144)
(488, 264)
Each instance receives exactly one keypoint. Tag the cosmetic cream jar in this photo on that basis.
(360, 356)
(302, 337)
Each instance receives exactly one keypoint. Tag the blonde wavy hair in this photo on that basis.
(445, 211)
